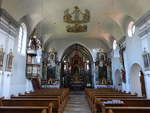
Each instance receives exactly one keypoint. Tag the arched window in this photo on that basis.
(114, 45)
(22, 40)
(131, 29)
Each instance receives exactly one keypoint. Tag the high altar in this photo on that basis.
(76, 68)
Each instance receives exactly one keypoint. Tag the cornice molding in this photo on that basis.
(8, 18)
(8, 23)
(142, 20)
(144, 31)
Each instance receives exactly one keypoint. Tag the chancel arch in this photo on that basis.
(76, 68)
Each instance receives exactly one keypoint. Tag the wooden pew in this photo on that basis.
(102, 93)
(24, 109)
(93, 98)
(52, 105)
(91, 93)
(97, 94)
(94, 101)
(51, 93)
(62, 92)
(122, 103)
(126, 110)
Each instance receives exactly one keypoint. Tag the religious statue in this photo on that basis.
(142, 80)
(123, 75)
(51, 66)
(76, 13)
(86, 16)
(67, 16)
(103, 81)
(34, 43)
(1, 58)
(50, 81)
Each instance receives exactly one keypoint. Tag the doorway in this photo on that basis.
(137, 82)
(118, 79)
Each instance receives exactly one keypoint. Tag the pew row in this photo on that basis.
(96, 98)
(29, 102)
(58, 97)
(102, 104)
(23, 109)
(127, 110)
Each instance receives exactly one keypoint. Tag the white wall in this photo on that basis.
(133, 55)
(134, 81)
(7, 42)
(13, 82)
(18, 80)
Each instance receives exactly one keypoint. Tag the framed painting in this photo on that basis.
(1, 58)
(9, 61)
(146, 59)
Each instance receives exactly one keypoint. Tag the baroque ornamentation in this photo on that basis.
(77, 18)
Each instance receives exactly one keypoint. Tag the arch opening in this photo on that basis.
(22, 39)
(118, 79)
(76, 68)
(137, 82)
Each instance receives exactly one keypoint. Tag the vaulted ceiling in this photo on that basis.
(109, 18)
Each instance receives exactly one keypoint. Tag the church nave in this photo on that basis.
(74, 56)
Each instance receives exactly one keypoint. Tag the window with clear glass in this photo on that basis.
(114, 45)
(22, 40)
(131, 29)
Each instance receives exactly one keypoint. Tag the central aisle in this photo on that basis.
(77, 103)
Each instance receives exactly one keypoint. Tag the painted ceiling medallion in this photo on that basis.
(77, 19)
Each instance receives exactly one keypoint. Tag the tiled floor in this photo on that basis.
(77, 104)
